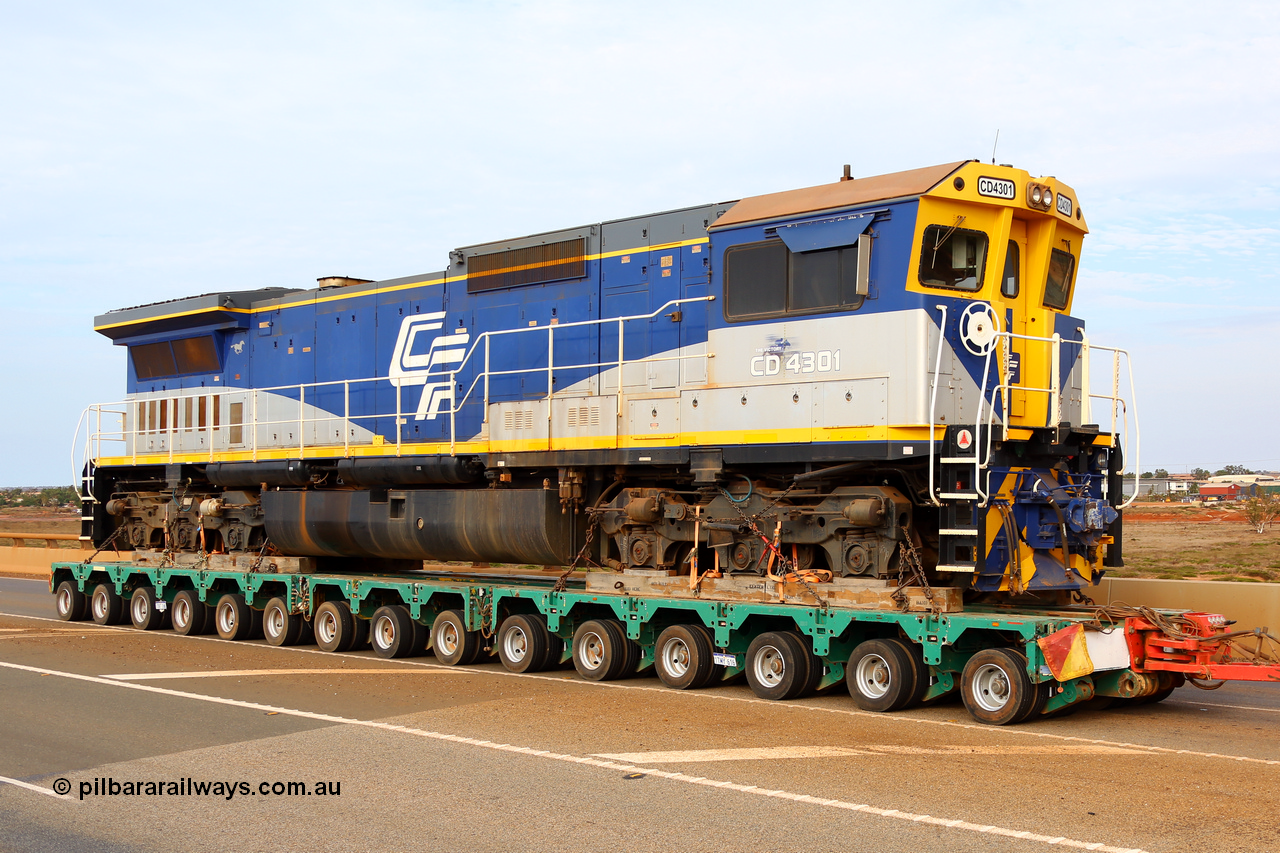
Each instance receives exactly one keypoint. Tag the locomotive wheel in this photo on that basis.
(525, 644)
(887, 675)
(996, 688)
(599, 650)
(234, 619)
(279, 626)
(684, 657)
(778, 665)
(335, 627)
(454, 645)
(72, 604)
(142, 609)
(189, 614)
(106, 606)
(393, 633)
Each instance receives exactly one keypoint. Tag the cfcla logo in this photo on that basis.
(409, 369)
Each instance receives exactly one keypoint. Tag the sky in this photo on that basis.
(150, 151)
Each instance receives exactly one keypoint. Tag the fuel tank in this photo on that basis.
(477, 525)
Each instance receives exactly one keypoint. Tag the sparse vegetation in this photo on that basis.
(1197, 543)
(47, 497)
(1262, 510)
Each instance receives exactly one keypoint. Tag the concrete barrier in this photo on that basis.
(1252, 605)
(35, 562)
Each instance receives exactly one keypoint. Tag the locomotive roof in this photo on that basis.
(835, 196)
(173, 313)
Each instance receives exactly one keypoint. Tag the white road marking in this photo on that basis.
(236, 673)
(46, 791)
(1220, 705)
(770, 753)
(32, 636)
(593, 762)
(717, 696)
(762, 753)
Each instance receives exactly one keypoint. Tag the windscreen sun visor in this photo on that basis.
(825, 233)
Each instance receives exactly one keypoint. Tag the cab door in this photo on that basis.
(1016, 296)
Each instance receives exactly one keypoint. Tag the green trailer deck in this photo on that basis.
(890, 659)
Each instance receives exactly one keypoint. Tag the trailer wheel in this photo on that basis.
(453, 643)
(525, 644)
(883, 676)
(281, 627)
(190, 615)
(335, 627)
(684, 657)
(1040, 694)
(996, 688)
(393, 633)
(630, 649)
(600, 652)
(234, 619)
(72, 604)
(106, 606)
(778, 665)
(142, 609)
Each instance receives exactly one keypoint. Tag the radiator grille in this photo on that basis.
(530, 265)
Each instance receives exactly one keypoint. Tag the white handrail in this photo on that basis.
(933, 400)
(1054, 413)
(94, 433)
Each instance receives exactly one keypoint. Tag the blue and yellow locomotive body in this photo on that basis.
(839, 379)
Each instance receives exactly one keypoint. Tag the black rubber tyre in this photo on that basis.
(684, 657)
(817, 668)
(525, 644)
(600, 650)
(279, 626)
(72, 604)
(363, 629)
(1169, 682)
(1041, 694)
(393, 633)
(106, 607)
(778, 665)
(630, 650)
(190, 616)
(454, 645)
(882, 675)
(233, 619)
(996, 688)
(335, 627)
(143, 612)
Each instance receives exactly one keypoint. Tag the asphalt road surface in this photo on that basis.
(165, 743)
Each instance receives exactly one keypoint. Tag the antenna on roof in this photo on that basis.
(846, 176)
(993, 147)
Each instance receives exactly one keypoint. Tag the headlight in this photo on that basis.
(1035, 195)
(1048, 198)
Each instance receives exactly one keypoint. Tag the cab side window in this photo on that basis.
(953, 258)
(769, 280)
(1009, 284)
(1057, 287)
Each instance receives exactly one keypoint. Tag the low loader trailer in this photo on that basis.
(894, 647)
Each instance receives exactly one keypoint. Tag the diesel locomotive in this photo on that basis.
(874, 377)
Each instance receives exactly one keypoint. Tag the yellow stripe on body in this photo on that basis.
(905, 433)
(378, 291)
